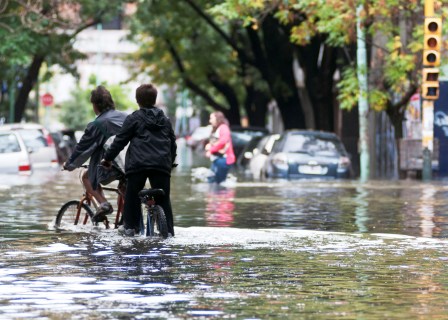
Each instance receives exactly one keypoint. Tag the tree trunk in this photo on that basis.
(280, 54)
(233, 113)
(319, 64)
(256, 105)
(28, 83)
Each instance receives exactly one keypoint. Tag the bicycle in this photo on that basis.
(75, 212)
(155, 215)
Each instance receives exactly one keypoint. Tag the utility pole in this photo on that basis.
(430, 83)
(363, 105)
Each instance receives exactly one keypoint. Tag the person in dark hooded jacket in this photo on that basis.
(107, 123)
(150, 155)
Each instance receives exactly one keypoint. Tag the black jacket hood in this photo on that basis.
(153, 118)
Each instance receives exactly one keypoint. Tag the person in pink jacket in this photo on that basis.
(220, 148)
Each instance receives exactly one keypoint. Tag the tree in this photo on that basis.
(273, 55)
(229, 65)
(394, 41)
(78, 111)
(38, 32)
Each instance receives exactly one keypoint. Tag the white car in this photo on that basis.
(199, 137)
(14, 155)
(38, 142)
(260, 155)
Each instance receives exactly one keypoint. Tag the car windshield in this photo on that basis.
(33, 138)
(298, 143)
(9, 143)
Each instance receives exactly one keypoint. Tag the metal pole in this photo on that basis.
(362, 101)
(429, 8)
(36, 111)
(12, 94)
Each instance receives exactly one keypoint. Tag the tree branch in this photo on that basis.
(190, 83)
(241, 53)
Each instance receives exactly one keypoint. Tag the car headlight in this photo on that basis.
(280, 160)
(343, 164)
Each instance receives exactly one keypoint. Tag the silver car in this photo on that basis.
(38, 142)
(14, 155)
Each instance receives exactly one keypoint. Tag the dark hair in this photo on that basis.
(220, 119)
(102, 99)
(146, 95)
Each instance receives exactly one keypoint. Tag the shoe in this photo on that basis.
(103, 210)
(126, 232)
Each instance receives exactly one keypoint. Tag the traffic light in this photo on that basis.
(430, 83)
(432, 42)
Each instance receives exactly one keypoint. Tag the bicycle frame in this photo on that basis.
(88, 199)
(149, 206)
(120, 203)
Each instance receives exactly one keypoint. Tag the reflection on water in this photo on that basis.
(219, 206)
(426, 211)
(258, 250)
(224, 272)
(361, 209)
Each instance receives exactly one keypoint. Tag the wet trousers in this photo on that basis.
(132, 214)
(220, 168)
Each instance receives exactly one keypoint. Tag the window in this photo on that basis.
(9, 143)
(33, 138)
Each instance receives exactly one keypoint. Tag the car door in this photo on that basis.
(13, 153)
(42, 153)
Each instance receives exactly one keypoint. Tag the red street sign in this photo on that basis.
(47, 100)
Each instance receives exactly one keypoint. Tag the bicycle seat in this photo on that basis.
(151, 193)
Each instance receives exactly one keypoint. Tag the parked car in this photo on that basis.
(65, 143)
(199, 137)
(308, 154)
(38, 141)
(260, 155)
(247, 153)
(14, 155)
(242, 135)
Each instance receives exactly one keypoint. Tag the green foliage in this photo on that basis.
(161, 27)
(348, 88)
(77, 112)
(394, 29)
(44, 29)
(378, 99)
(121, 97)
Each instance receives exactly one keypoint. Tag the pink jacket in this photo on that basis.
(224, 142)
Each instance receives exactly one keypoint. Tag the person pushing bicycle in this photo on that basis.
(150, 155)
(107, 123)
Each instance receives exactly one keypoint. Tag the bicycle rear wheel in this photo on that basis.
(158, 219)
(69, 215)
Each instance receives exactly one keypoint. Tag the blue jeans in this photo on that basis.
(220, 169)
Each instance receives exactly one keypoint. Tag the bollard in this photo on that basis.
(427, 165)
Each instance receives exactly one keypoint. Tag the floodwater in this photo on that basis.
(252, 250)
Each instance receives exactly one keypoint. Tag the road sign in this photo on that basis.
(47, 99)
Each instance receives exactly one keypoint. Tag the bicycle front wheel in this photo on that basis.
(157, 218)
(73, 213)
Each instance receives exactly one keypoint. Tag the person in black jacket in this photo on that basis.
(107, 123)
(150, 155)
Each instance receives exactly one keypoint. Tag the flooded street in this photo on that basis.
(254, 250)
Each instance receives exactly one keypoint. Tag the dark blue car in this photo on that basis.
(308, 154)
